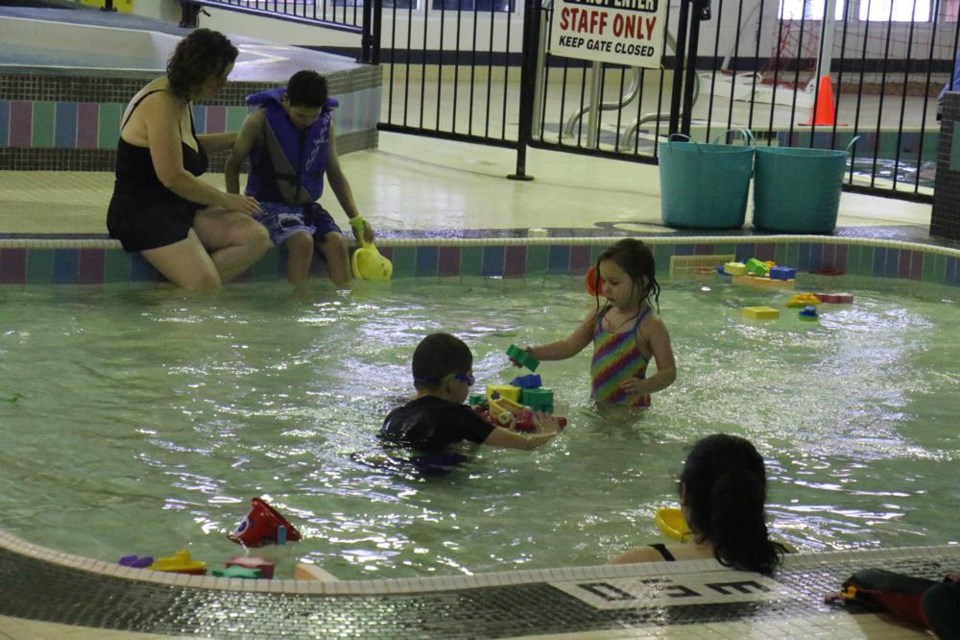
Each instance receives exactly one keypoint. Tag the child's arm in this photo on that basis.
(571, 346)
(547, 426)
(659, 339)
(246, 140)
(341, 187)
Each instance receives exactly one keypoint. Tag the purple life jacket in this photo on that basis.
(289, 165)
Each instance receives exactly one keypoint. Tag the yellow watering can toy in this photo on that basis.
(673, 524)
(367, 262)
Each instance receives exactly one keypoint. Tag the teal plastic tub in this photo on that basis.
(705, 185)
(797, 190)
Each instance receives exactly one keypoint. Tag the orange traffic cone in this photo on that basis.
(825, 111)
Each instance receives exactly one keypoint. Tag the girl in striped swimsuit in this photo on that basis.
(626, 331)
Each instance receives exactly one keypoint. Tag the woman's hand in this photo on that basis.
(242, 203)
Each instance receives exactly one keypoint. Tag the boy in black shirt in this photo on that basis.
(437, 418)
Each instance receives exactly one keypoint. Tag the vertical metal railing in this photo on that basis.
(351, 16)
(452, 70)
(459, 69)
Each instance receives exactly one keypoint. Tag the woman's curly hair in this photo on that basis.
(202, 55)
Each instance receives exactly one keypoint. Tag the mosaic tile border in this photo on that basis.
(101, 261)
(40, 584)
(794, 562)
(74, 123)
(57, 117)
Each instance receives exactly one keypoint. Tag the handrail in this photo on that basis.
(631, 94)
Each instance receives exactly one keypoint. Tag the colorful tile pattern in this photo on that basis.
(47, 122)
(102, 261)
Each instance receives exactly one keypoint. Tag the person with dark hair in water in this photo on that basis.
(723, 491)
(437, 419)
(626, 330)
(194, 234)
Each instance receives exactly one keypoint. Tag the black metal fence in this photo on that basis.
(351, 16)
(475, 70)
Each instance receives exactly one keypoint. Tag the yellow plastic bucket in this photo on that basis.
(672, 523)
(368, 264)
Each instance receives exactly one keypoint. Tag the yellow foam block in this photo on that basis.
(761, 313)
(735, 268)
(507, 391)
(764, 283)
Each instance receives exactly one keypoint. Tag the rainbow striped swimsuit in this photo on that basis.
(616, 357)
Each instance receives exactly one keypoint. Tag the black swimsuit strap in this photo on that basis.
(662, 550)
(193, 128)
(137, 104)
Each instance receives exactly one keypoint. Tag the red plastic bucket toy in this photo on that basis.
(261, 526)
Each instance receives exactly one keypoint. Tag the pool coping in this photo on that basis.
(429, 584)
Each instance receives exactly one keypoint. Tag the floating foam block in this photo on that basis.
(803, 300)
(757, 268)
(836, 298)
(530, 381)
(537, 399)
(783, 273)
(237, 572)
(507, 391)
(253, 562)
(808, 313)
(735, 268)
(761, 313)
(305, 571)
(764, 283)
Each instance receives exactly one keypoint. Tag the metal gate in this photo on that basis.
(480, 71)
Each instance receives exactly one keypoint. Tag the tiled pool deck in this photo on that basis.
(442, 209)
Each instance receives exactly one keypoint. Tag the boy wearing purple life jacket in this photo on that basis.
(291, 145)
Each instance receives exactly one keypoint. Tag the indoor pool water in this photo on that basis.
(142, 421)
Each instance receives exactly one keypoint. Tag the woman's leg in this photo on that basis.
(235, 240)
(185, 263)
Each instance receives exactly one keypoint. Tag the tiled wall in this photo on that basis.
(72, 122)
(945, 216)
(94, 262)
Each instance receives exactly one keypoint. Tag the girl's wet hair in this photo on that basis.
(636, 259)
(724, 491)
(202, 55)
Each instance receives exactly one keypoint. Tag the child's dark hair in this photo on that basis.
(438, 356)
(724, 491)
(636, 259)
(202, 55)
(307, 88)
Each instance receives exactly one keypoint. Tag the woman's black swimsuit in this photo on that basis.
(143, 213)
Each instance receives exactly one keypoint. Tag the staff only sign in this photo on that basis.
(629, 32)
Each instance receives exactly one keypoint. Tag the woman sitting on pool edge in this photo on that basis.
(195, 235)
(723, 489)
